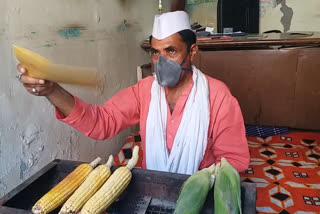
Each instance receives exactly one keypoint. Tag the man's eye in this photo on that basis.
(171, 52)
(154, 52)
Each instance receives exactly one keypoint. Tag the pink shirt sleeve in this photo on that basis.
(227, 132)
(230, 141)
(103, 122)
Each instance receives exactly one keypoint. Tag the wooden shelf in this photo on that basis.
(263, 41)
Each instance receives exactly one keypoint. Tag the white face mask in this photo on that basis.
(168, 72)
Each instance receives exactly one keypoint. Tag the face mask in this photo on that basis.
(168, 71)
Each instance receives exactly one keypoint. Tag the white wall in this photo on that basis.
(30, 136)
(305, 15)
(283, 15)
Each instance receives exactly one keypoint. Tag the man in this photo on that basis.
(187, 120)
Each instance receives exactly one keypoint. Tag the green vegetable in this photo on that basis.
(194, 191)
(227, 192)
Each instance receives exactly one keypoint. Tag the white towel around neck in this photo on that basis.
(191, 138)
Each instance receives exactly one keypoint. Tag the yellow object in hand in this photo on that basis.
(41, 68)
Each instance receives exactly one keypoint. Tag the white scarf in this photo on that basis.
(191, 138)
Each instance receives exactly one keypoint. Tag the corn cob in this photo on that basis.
(194, 191)
(113, 187)
(92, 183)
(61, 192)
(227, 192)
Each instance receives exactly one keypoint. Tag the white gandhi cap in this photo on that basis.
(170, 23)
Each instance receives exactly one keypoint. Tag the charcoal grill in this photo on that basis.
(149, 192)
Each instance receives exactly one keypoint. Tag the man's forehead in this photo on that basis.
(174, 40)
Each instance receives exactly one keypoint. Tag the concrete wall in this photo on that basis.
(283, 15)
(203, 12)
(290, 15)
(103, 34)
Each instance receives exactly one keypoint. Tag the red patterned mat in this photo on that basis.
(286, 169)
(125, 153)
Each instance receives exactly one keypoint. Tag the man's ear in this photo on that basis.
(193, 51)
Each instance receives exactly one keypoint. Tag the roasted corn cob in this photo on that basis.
(61, 192)
(90, 186)
(112, 188)
(227, 192)
(194, 191)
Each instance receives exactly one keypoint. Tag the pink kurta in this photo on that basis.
(226, 134)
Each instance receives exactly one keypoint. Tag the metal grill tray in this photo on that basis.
(148, 192)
